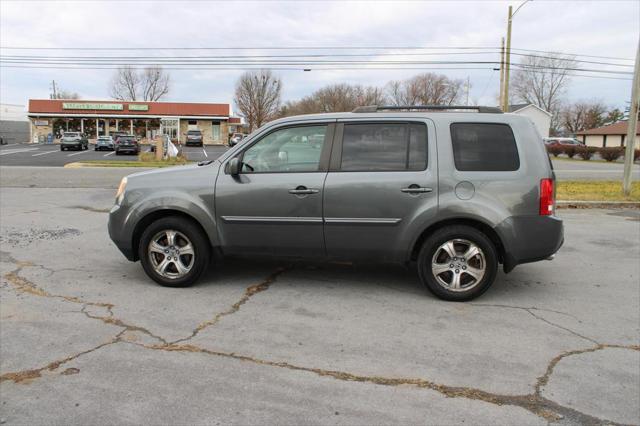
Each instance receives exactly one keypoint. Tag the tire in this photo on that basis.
(62, 148)
(117, 152)
(185, 231)
(458, 279)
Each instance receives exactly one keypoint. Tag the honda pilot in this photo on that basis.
(456, 191)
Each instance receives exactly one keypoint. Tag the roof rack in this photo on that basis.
(376, 108)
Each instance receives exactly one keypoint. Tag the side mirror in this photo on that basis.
(234, 167)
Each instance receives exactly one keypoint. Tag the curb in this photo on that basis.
(598, 204)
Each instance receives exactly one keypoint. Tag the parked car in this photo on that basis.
(194, 137)
(104, 142)
(236, 138)
(73, 140)
(379, 188)
(562, 141)
(127, 144)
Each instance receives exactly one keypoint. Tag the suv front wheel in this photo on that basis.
(174, 252)
(457, 263)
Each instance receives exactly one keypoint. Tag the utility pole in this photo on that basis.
(468, 88)
(54, 94)
(505, 104)
(501, 101)
(632, 125)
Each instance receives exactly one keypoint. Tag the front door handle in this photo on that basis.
(415, 189)
(303, 190)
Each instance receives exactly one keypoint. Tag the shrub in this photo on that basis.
(570, 150)
(611, 153)
(585, 152)
(554, 150)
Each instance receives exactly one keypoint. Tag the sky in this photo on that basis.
(599, 28)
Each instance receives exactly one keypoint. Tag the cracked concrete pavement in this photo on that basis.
(85, 337)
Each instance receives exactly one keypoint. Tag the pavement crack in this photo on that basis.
(112, 320)
(26, 376)
(248, 293)
(531, 311)
(91, 209)
(534, 402)
(544, 379)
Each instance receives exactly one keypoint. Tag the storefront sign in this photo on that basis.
(138, 107)
(41, 122)
(78, 105)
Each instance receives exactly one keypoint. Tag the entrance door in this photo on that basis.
(274, 206)
(382, 181)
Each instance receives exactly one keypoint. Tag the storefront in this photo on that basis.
(50, 118)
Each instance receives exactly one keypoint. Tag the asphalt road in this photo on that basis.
(87, 338)
(51, 156)
(39, 155)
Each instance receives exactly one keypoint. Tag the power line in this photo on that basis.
(384, 68)
(250, 57)
(191, 48)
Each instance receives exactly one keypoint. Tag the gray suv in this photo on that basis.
(454, 192)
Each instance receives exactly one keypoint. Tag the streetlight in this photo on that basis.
(505, 105)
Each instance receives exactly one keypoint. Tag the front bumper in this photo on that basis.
(117, 233)
(529, 239)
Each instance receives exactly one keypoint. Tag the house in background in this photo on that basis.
(611, 135)
(541, 118)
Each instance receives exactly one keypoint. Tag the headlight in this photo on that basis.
(121, 188)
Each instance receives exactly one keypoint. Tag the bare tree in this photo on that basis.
(125, 84)
(155, 83)
(425, 89)
(335, 98)
(583, 115)
(129, 84)
(542, 81)
(257, 96)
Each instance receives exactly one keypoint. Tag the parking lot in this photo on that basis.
(44, 155)
(87, 338)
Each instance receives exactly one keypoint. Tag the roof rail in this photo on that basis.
(376, 108)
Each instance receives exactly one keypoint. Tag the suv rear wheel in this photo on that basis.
(457, 263)
(174, 252)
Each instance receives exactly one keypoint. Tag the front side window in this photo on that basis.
(489, 147)
(292, 149)
(384, 147)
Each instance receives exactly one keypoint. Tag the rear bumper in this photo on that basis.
(133, 149)
(529, 239)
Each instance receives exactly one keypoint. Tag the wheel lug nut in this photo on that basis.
(457, 271)
(451, 266)
(464, 267)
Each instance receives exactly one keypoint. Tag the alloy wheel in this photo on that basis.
(171, 254)
(458, 265)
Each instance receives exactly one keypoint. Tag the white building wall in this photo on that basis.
(540, 119)
(11, 112)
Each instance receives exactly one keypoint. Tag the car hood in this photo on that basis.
(178, 176)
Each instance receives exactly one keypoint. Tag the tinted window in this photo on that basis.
(384, 147)
(293, 149)
(484, 147)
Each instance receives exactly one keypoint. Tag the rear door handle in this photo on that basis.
(415, 189)
(303, 190)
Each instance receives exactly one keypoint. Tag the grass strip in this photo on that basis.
(596, 190)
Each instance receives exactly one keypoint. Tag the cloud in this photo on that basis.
(595, 28)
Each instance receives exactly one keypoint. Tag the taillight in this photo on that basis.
(546, 197)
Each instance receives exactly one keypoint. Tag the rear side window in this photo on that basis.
(384, 147)
(487, 147)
